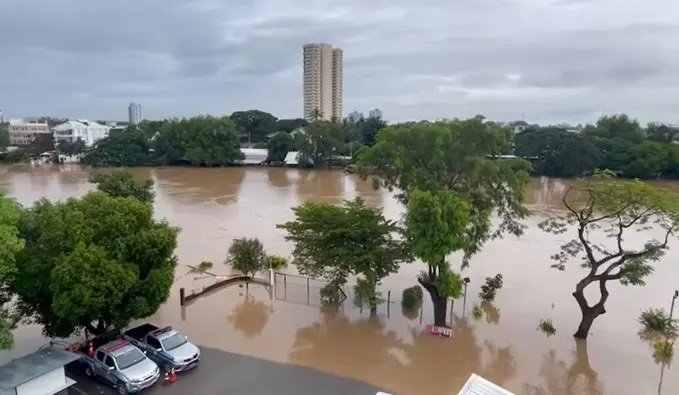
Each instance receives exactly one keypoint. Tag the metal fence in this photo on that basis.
(298, 289)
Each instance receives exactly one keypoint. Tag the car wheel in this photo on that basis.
(122, 390)
(89, 372)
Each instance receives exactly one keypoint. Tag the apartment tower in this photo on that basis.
(134, 113)
(322, 82)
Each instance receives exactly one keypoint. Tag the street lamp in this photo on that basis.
(464, 301)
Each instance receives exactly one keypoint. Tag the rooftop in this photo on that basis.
(26, 368)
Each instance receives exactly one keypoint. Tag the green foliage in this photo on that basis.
(616, 143)
(547, 327)
(123, 184)
(412, 297)
(4, 135)
(10, 245)
(71, 148)
(365, 293)
(436, 224)
(254, 124)
(205, 266)
(331, 293)
(320, 143)
(96, 262)
(200, 141)
(277, 262)
(334, 242)
(16, 156)
(663, 350)
(365, 131)
(247, 256)
(658, 320)
(288, 125)
(126, 148)
(448, 283)
(490, 288)
(477, 313)
(279, 145)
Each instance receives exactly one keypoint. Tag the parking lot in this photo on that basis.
(222, 372)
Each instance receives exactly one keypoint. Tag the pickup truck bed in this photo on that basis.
(140, 331)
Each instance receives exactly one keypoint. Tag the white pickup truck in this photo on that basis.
(166, 346)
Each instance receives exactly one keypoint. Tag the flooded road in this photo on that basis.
(214, 206)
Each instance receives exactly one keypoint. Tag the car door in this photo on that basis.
(110, 373)
(99, 365)
(153, 347)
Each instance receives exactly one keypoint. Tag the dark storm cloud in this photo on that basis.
(552, 60)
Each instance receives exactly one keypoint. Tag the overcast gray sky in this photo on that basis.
(551, 60)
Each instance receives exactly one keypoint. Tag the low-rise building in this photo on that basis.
(88, 131)
(39, 373)
(22, 132)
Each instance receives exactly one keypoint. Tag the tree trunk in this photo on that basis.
(589, 313)
(440, 308)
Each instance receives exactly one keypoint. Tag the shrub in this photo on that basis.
(205, 266)
(657, 320)
(477, 313)
(664, 350)
(412, 298)
(490, 288)
(547, 327)
(330, 294)
(277, 262)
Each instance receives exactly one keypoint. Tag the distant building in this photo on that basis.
(322, 81)
(376, 114)
(88, 131)
(355, 116)
(134, 112)
(22, 132)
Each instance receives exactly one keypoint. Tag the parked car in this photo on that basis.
(124, 366)
(166, 346)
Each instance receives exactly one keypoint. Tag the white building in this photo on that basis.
(87, 131)
(134, 113)
(22, 133)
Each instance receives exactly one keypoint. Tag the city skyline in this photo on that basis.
(554, 60)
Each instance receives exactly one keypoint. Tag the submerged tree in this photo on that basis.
(123, 184)
(460, 157)
(334, 242)
(616, 209)
(97, 262)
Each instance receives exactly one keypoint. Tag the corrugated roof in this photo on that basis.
(477, 385)
(26, 368)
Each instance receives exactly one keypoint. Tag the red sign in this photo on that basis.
(440, 330)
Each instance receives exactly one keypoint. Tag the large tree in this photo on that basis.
(602, 209)
(126, 148)
(97, 262)
(123, 184)
(10, 245)
(456, 156)
(662, 133)
(616, 126)
(436, 224)
(335, 242)
(255, 125)
(288, 125)
(320, 143)
(279, 145)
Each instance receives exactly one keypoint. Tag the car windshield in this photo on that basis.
(129, 358)
(173, 341)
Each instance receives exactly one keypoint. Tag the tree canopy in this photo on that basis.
(10, 245)
(454, 167)
(248, 256)
(123, 184)
(289, 125)
(279, 145)
(126, 148)
(606, 206)
(320, 143)
(97, 262)
(335, 242)
(255, 125)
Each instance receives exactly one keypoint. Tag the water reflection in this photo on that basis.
(491, 313)
(321, 186)
(278, 177)
(190, 185)
(561, 378)
(249, 317)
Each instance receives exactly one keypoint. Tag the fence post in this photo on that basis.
(285, 286)
(181, 296)
(307, 291)
(388, 302)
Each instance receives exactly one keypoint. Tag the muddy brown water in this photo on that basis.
(214, 206)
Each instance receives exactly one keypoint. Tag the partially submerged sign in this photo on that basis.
(477, 385)
(439, 330)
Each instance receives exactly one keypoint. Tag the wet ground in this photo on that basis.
(392, 351)
(223, 372)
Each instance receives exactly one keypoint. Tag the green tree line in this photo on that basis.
(616, 143)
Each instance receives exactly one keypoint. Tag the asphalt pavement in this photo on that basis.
(221, 373)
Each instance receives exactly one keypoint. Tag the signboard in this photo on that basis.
(439, 330)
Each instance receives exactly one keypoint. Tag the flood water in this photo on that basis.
(214, 206)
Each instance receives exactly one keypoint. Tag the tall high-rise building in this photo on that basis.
(322, 82)
(134, 112)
